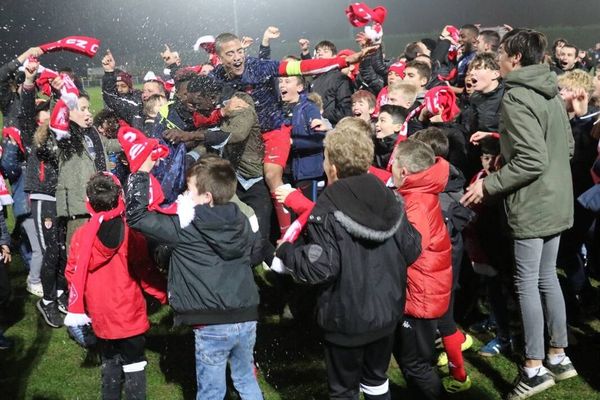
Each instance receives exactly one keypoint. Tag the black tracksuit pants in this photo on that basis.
(361, 368)
(414, 351)
(49, 236)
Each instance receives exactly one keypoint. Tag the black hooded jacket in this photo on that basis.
(335, 90)
(359, 245)
(210, 271)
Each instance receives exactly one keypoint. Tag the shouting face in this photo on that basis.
(232, 57)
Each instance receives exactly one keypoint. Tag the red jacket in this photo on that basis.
(113, 290)
(430, 277)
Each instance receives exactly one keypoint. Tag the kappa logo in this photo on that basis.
(406, 325)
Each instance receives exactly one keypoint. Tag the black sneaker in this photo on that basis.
(563, 370)
(63, 301)
(526, 387)
(50, 313)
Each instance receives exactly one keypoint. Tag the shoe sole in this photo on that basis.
(538, 389)
(41, 310)
(565, 375)
(34, 293)
(488, 354)
(492, 354)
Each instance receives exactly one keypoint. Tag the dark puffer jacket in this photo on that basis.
(214, 248)
(360, 244)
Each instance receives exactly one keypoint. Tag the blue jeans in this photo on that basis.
(215, 346)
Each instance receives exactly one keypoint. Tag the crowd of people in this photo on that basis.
(393, 185)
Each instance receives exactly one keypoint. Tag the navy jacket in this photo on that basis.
(258, 81)
(307, 144)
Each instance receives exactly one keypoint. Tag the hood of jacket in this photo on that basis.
(364, 206)
(433, 180)
(225, 229)
(456, 180)
(538, 78)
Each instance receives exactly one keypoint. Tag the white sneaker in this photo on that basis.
(35, 289)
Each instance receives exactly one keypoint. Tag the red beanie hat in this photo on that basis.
(138, 147)
(398, 68)
(125, 78)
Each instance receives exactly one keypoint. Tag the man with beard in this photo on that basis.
(467, 39)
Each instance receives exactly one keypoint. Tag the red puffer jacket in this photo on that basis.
(430, 277)
(113, 290)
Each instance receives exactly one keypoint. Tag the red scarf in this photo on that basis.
(81, 258)
(69, 92)
(359, 14)
(88, 46)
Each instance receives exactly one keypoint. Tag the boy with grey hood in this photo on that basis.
(359, 245)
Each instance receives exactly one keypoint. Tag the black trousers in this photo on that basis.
(116, 355)
(414, 352)
(49, 235)
(127, 351)
(352, 369)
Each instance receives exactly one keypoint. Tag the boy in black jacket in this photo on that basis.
(358, 247)
(211, 286)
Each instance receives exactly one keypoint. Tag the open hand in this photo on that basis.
(360, 55)
(282, 192)
(474, 194)
(176, 135)
(247, 42)
(234, 104)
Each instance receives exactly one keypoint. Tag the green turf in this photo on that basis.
(46, 364)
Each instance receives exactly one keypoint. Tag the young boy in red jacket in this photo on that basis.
(420, 177)
(107, 268)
